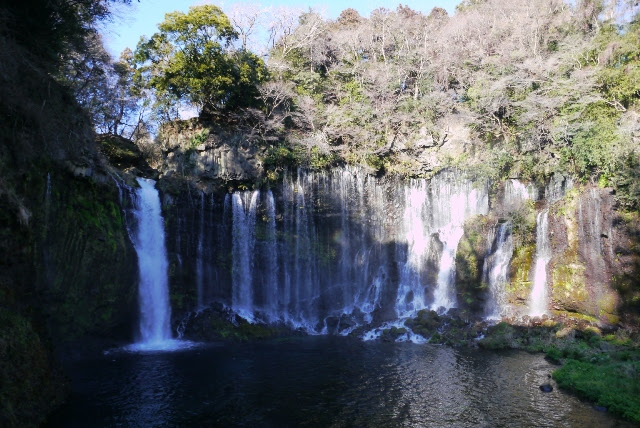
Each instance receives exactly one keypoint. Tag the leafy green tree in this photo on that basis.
(191, 57)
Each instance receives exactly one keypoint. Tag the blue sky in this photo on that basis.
(141, 18)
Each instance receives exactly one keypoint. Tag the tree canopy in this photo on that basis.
(191, 57)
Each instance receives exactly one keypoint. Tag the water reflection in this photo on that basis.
(147, 396)
(322, 381)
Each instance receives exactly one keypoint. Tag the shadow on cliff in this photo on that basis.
(319, 255)
(627, 279)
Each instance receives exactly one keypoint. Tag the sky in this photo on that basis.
(130, 22)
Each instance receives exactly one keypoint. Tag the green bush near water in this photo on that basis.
(602, 369)
(610, 382)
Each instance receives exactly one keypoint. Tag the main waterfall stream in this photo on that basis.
(154, 331)
(538, 298)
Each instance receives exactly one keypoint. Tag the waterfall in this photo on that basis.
(435, 208)
(496, 269)
(411, 290)
(444, 295)
(538, 298)
(200, 255)
(270, 285)
(516, 193)
(454, 201)
(303, 288)
(557, 187)
(244, 220)
(328, 251)
(155, 312)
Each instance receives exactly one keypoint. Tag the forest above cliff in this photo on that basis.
(524, 89)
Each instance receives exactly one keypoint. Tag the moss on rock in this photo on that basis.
(31, 386)
(519, 287)
(470, 255)
(569, 289)
(86, 266)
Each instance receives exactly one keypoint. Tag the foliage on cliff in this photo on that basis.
(523, 89)
(520, 89)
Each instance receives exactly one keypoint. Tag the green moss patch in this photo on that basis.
(520, 286)
(120, 151)
(30, 387)
(610, 380)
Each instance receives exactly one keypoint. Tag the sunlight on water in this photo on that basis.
(496, 270)
(170, 345)
(443, 295)
(339, 248)
(538, 298)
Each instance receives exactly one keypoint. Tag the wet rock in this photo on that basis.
(390, 335)
(346, 322)
(332, 324)
(565, 332)
(546, 387)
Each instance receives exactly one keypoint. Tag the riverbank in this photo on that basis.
(602, 367)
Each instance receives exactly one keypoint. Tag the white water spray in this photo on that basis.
(538, 298)
(244, 221)
(271, 279)
(496, 270)
(153, 293)
(444, 295)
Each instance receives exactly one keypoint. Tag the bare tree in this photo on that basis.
(246, 19)
(276, 93)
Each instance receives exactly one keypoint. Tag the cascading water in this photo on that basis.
(328, 251)
(444, 295)
(270, 285)
(453, 201)
(303, 265)
(153, 291)
(516, 193)
(557, 187)
(496, 269)
(200, 255)
(538, 297)
(411, 289)
(244, 220)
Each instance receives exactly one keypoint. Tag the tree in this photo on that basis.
(246, 19)
(191, 57)
(349, 18)
(274, 94)
(48, 29)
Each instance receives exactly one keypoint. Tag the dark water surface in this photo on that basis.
(321, 382)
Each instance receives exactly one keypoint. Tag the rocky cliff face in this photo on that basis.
(213, 151)
(67, 268)
(590, 275)
(85, 264)
(594, 257)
